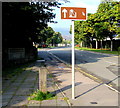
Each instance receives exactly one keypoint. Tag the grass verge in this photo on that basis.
(99, 50)
(40, 96)
(9, 72)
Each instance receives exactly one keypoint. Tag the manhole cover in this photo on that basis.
(93, 102)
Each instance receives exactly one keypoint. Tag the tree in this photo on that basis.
(100, 25)
(84, 32)
(45, 34)
(108, 13)
(56, 38)
(23, 21)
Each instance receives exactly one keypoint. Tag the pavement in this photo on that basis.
(87, 92)
(103, 66)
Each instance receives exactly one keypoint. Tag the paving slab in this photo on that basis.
(24, 85)
(5, 103)
(19, 80)
(15, 84)
(61, 100)
(87, 91)
(27, 85)
(18, 101)
(9, 93)
(52, 102)
(6, 99)
(34, 103)
(24, 91)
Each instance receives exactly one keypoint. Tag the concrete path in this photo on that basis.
(87, 92)
(103, 66)
(17, 89)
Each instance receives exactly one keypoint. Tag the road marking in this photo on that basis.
(95, 78)
(115, 56)
(85, 73)
(68, 101)
(111, 62)
(109, 86)
(89, 75)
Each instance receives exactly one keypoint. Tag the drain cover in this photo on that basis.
(60, 67)
(93, 102)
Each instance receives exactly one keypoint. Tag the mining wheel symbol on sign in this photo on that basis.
(72, 14)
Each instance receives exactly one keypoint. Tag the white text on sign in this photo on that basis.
(73, 13)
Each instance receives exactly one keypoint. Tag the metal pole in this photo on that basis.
(73, 63)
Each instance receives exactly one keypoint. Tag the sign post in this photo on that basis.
(73, 13)
(73, 63)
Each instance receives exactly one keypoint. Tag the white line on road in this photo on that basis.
(111, 62)
(112, 88)
(85, 72)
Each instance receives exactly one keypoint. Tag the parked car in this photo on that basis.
(42, 46)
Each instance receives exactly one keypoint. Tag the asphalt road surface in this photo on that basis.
(103, 66)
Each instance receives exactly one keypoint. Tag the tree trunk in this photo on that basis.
(96, 44)
(111, 45)
(91, 45)
(81, 45)
(101, 44)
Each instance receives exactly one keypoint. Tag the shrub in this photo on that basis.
(40, 96)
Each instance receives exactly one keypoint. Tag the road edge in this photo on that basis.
(85, 73)
(68, 101)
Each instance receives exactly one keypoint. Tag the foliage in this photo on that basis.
(100, 25)
(49, 36)
(23, 21)
(45, 34)
(56, 38)
(16, 70)
(40, 96)
(66, 42)
(118, 50)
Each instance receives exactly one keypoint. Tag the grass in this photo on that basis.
(50, 76)
(51, 46)
(66, 98)
(39, 58)
(107, 51)
(40, 96)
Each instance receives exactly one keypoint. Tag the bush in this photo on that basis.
(40, 96)
(118, 50)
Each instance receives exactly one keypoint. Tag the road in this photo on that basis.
(103, 66)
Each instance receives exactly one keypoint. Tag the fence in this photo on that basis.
(16, 53)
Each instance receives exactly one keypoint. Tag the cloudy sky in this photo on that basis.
(63, 26)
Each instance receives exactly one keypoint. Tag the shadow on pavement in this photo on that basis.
(65, 88)
(89, 90)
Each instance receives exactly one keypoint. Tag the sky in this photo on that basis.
(63, 25)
